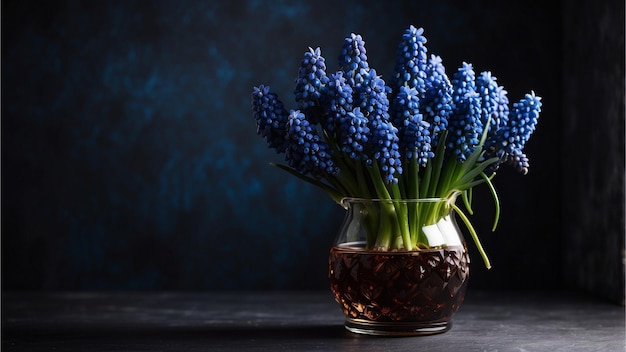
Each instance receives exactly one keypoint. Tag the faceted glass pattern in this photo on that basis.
(398, 293)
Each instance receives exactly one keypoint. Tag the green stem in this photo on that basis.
(413, 193)
(402, 216)
(371, 223)
(389, 225)
(496, 200)
(443, 187)
(473, 233)
(426, 180)
(437, 166)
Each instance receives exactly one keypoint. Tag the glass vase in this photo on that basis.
(387, 289)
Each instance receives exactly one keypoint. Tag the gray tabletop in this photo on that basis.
(295, 321)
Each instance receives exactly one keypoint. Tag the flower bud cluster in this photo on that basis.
(337, 102)
(508, 142)
(487, 87)
(311, 80)
(436, 103)
(465, 126)
(385, 148)
(354, 135)
(353, 116)
(415, 134)
(353, 60)
(271, 117)
(306, 152)
(411, 60)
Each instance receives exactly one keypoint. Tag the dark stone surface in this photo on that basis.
(296, 321)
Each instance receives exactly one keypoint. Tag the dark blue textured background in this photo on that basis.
(130, 158)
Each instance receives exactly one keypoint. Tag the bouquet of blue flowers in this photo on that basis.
(419, 135)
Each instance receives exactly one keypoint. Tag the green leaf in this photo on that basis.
(471, 174)
(334, 194)
(467, 200)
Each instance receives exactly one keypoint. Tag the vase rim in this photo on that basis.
(347, 200)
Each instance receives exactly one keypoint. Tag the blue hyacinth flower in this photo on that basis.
(494, 102)
(307, 152)
(311, 81)
(411, 60)
(353, 60)
(271, 117)
(436, 102)
(464, 123)
(337, 101)
(523, 118)
(464, 126)
(487, 88)
(385, 148)
(509, 140)
(412, 129)
(354, 135)
(463, 82)
(371, 96)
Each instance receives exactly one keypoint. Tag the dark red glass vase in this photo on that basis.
(397, 292)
